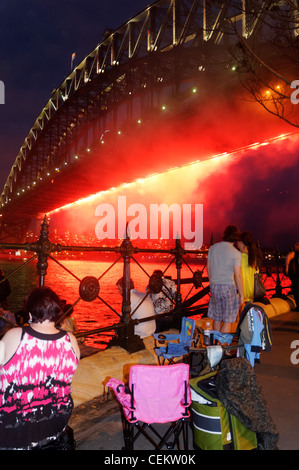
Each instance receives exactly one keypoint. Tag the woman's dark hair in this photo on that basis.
(253, 252)
(121, 283)
(231, 234)
(43, 304)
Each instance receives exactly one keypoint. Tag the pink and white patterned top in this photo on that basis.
(35, 390)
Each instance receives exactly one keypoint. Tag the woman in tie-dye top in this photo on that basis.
(35, 377)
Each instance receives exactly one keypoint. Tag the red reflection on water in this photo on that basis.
(92, 315)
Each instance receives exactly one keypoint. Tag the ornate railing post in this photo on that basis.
(278, 289)
(178, 253)
(43, 247)
(126, 337)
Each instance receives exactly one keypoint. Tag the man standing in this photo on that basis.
(226, 283)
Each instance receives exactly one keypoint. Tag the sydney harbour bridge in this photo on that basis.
(128, 108)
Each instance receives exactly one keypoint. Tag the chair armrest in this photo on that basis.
(162, 337)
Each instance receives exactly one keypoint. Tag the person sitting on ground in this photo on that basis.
(68, 323)
(35, 379)
(5, 288)
(162, 291)
(7, 318)
(144, 309)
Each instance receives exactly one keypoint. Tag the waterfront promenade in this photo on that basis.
(279, 378)
(98, 426)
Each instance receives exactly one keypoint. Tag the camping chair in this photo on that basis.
(176, 349)
(156, 395)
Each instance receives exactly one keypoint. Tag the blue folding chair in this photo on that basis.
(176, 349)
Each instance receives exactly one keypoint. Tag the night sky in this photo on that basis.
(36, 45)
(37, 40)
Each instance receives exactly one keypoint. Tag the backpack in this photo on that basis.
(266, 334)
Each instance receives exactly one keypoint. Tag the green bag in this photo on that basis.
(214, 428)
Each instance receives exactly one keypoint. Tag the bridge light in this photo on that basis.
(139, 121)
(194, 90)
(163, 107)
(234, 68)
(76, 157)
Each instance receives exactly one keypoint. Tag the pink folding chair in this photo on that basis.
(156, 395)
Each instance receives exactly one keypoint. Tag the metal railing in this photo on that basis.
(89, 286)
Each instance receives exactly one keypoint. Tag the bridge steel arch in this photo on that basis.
(130, 72)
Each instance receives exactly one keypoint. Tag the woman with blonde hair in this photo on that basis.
(250, 264)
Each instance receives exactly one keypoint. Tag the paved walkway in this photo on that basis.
(278, 374)
(98, 426)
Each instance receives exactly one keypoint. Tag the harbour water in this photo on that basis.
(64, 278)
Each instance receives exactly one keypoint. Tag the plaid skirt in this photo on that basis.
(224, 303)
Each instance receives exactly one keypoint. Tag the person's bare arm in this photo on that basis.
(11, 341)
(239, 282)
(289, 258)
(75, 345)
